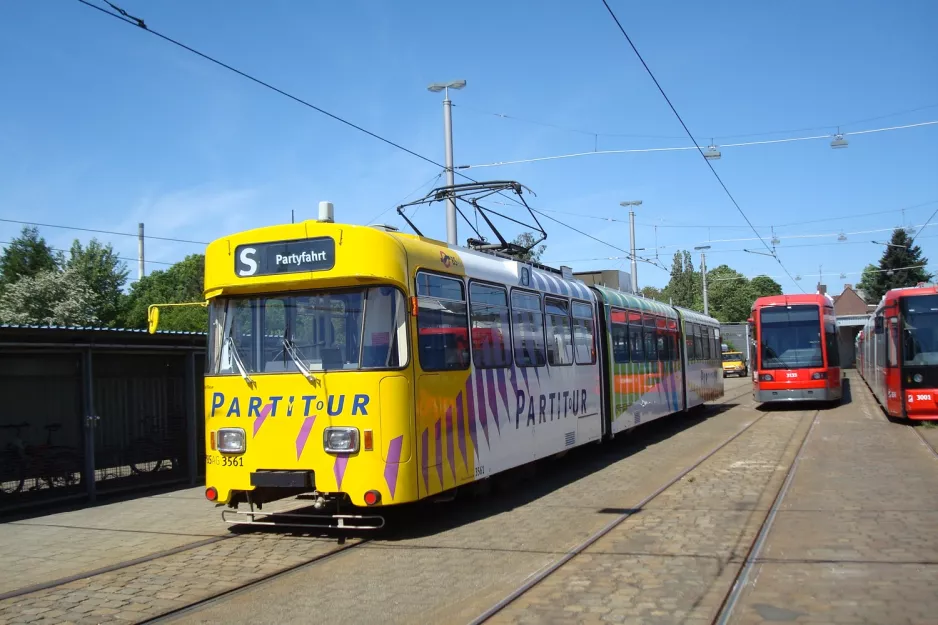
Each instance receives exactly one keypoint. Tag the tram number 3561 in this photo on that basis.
(912, 398)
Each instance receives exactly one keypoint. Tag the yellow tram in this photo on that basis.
(359, 365)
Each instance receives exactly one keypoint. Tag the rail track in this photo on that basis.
(213, 597)
(755, 548)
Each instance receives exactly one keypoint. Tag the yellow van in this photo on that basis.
(734, 364)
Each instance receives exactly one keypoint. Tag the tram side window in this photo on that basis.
(651, 341)
(636, 341)
(583, 334)
(442, 328)
(661, 338)
(620, 336)
(489, 317)
(689, 341)
(880, 345)
(891, 332)
(559, 336)
(527, 328)
(698, 344)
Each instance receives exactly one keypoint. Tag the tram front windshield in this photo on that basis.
(349, 329)
(920, 330)
(790, 337)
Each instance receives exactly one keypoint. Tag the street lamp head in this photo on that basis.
(631, 203)
(440, 86)
(702, 247)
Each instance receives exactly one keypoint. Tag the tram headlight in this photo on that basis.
(230, 440)
(340, 440)
(917, 378)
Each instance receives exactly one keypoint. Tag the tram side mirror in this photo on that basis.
(153, 318)
(878, 325)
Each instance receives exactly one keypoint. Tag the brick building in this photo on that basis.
(852, 311)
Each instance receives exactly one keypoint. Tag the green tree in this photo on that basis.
(685, 287)
(867, 282)
(730, 294)
(654, 293)
(101, 269)
(526, 240)
(764, 286)
(900, 266)
(26, 255)
(50, 297)
(182, 282)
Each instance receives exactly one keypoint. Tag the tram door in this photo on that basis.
(443, 398)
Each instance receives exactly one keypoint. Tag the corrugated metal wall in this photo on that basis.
(146, 418)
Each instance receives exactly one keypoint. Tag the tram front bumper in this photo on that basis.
(796, 394)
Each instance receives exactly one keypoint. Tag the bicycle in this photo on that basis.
(53, 464)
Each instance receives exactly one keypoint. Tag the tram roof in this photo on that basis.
(695, 317)
(791, 300)
(626, 300)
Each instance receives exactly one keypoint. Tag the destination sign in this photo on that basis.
(265, 259)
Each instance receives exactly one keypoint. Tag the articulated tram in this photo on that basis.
(897, 353)
(358, 365)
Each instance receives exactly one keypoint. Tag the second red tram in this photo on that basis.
(897, 353)
(796, 356)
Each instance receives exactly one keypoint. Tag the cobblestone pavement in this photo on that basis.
(525, 528)
(473, 554)
(673, 561)
(60, 545)
(856, 539)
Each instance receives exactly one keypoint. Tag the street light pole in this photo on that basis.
(630, 204)
(448, 148)
(703, 273)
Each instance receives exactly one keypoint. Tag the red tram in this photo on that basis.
(795, 353)
(897, 353)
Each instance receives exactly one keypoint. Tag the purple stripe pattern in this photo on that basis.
(439, 452)
(392, 464)
(304, 435)
(425, 459)
(502, 389)
(339, 468)
(450, 448)
(480, 406)
(493, 401)
(472, 413)
(262, 416)
(461, 430)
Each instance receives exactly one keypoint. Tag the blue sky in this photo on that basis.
(104, 126)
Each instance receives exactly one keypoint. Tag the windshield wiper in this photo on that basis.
(291, 350)
(237, 358)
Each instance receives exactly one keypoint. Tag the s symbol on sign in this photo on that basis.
(247, 258)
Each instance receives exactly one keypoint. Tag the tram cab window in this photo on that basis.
(559, 335)
(442, 326)
(584, 344)
(489, 316)
(619, 326)
(347, 329)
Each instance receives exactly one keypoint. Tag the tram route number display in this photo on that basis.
(225, 461)
(265, 259)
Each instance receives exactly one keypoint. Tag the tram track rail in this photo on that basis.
(225, 594)
(219, 596)
(928, 445)
(555, 566)
(741, 580)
